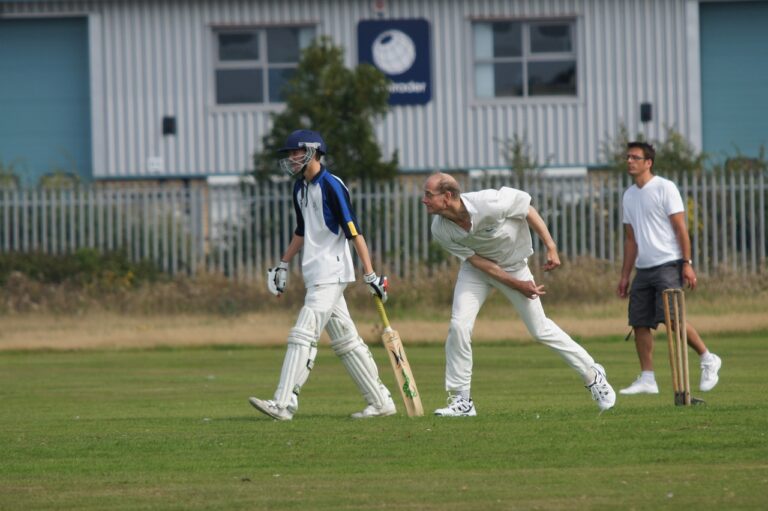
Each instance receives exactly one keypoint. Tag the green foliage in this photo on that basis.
(340, 104)
(59, 180)
(91, 282)
(614, 150)
(676, 154)
(517, 153)
(673, 154)
(171, 429)
(743, 163)
(9, 176)
(83, 266)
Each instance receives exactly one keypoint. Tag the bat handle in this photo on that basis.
(382, 312)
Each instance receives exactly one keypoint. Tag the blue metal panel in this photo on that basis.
(44, 97)
(734, 75)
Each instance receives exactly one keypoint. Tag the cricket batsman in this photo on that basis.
(325, 222)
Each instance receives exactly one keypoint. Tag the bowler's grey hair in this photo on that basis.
(447, 184)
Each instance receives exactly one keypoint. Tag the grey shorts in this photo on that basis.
(646, 308)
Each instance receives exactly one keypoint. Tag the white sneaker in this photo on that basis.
(601, 390)
(640, 386)
(709, 371)
(270, 408)
(371, 411)
(458, 406)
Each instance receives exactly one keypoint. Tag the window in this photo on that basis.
(524, 59)
(253, 64)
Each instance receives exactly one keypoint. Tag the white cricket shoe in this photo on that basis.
(270, 408)
(601, 390)
(371, 411)
(458, 406)
(709, 369)
(640, 386)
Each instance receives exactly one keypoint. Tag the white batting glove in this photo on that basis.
(277, 278)
(377, 284)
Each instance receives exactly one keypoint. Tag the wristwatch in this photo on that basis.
(689, 261)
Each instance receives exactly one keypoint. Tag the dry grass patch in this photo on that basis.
(113, 331)
(212, 310)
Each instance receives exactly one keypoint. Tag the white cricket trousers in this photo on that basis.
(472, 288)
(327, 301)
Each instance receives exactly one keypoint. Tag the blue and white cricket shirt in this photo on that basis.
(326, 220)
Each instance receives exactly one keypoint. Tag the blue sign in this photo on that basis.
(401, 50)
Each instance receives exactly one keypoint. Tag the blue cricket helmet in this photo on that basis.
(301, 139)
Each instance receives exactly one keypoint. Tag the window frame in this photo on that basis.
(527, 57)
(262, 63)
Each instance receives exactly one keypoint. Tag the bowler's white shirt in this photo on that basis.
(499, 230)
(647, 210)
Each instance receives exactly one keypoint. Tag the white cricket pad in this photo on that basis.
(299, 359)
(358, 360)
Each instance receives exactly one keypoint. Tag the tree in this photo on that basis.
(341, 104)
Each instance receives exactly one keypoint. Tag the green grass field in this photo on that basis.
(172, 429)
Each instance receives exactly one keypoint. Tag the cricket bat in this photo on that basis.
(400, 365)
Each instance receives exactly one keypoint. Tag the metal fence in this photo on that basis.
(241, 230)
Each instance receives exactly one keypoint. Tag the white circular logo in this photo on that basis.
(393, 52)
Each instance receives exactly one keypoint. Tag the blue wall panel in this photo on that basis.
(734, 74)
(44, 97)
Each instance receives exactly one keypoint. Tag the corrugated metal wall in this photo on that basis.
(153, 58)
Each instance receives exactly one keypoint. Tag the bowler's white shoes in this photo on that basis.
(601, 390)
(641, 386)
(270, 408)
(371, 411)
(458, 406)
(709, 369)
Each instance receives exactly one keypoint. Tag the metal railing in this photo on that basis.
(241, 230)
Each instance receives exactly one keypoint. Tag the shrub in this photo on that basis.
(579, 283)
(673, 154)
(85, 266)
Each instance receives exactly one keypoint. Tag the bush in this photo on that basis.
(579, 283)
(673, 154)
(9, 176)
(85, 266)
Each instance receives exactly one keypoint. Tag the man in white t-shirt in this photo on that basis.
(325, 221)
(657, 244)
(489, 231)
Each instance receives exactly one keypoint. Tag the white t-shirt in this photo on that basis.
(499, 230)
(647, 210)
(325, 219)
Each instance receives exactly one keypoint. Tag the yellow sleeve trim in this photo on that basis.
(351, 227)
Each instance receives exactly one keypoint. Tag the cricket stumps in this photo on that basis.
(677, 338)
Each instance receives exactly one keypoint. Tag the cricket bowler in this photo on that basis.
(489, 231)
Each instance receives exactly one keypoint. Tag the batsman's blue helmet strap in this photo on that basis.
(300, 139)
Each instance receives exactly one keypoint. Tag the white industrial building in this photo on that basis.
(171, 89)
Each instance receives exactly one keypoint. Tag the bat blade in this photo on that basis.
(403, 374)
